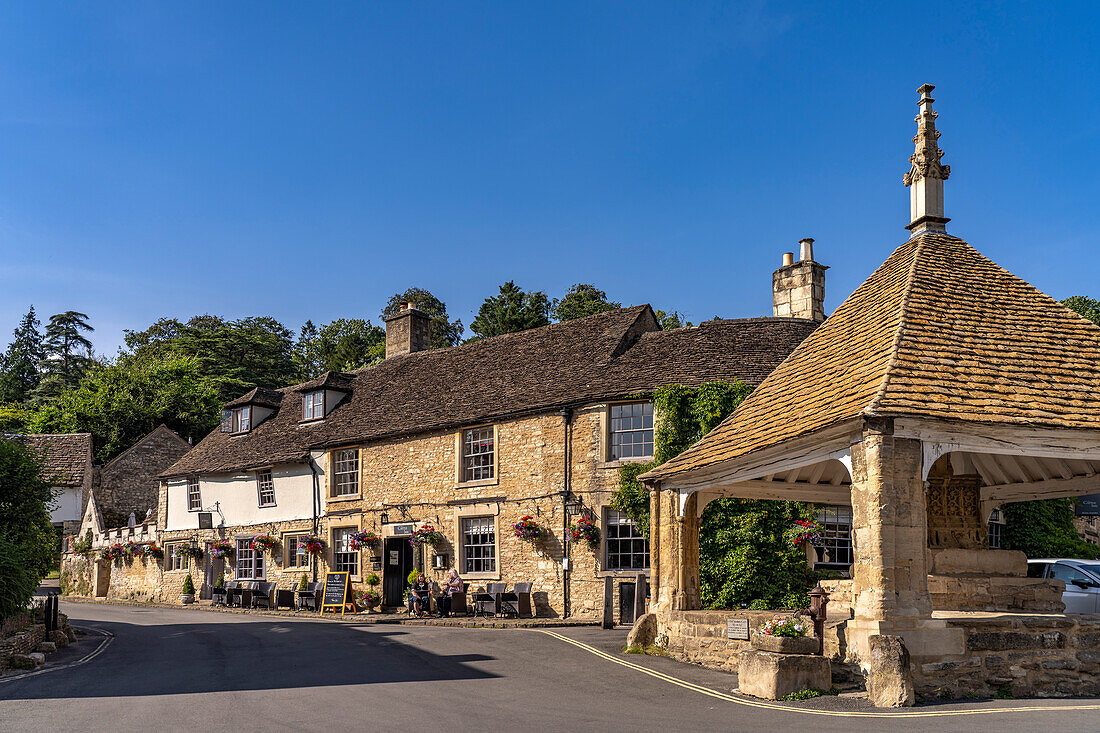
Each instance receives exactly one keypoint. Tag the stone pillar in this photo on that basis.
(674, 552)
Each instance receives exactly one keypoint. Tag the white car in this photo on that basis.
(1082, 579)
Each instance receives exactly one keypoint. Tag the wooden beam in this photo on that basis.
(989, 469)
(1036, 466)
(780, 491)
(1013, 469)
(1063, 468)
(816, 471)
(792, 475)
(1051, 489)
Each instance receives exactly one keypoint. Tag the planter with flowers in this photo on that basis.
(221, 549)
(189, 552)
(365, 539)
(313, 545)
(150, 549)
(112, 552)
(785, 635)
(528, 530)
(370, 599)
(585, 530)
(131, 549)
(263, 543)
(426, 535)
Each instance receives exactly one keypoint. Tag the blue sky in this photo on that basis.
(308, 160)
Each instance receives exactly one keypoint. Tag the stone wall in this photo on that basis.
(23, 641)
(129, 483)
(1022, 655)
(995, 593)
(76, 574)
(699, 637)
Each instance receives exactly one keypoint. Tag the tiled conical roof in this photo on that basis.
(937, 331)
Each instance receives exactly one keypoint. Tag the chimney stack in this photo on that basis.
(798, 288)
(407, 330)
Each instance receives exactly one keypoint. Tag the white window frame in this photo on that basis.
(313, 405)
(617, 519)
(291, 554)
(490, 547)
(474, 468)
(261, 488)
(173, 562)
(614, 428)
(255, 560)
(194, 494)
(344, 559)
(995, 534)
(341, 471)
(242, 419)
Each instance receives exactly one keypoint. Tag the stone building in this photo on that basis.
(129, 483)
(469, 439)
(68, 460)
(942, 388)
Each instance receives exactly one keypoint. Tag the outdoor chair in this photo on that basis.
(307, 599)
(488, 603)
(261, 595)
(284, 598)
(233, 593)
(517, 602)
(219, 596)
(459, 607)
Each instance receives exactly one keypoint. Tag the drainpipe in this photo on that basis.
(316, 510)
(567, 416)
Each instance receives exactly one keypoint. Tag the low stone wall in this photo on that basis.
(995, 593)
(699, 637)
(21, 642)
(135, 579)
(76, 574)
(1022, 655)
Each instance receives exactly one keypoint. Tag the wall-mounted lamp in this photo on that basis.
(572, 505)
(384, 518)
(439, 562)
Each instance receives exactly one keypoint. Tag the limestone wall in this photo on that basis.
(699, 637)
(1024, 655)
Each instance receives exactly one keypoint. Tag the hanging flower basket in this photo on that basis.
(263, 543)
(189, 552)
(805, 531)
(528, 530)
(131, 549)
(313, 545)
(221, 549)
(585, 530)
(150, 549)
(426, 535)
(364, 539)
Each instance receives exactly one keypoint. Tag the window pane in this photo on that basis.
(479, 545)
(631, 430)
(627, 548)
(194, 498)
(477, 454)
(344, 559)
(347, 472)
(266, 487)
(249, 563)
(835, 546)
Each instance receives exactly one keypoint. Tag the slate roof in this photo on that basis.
(68, 456)
(937, 331)
(258, 396)
(341, 381)
(604, 356)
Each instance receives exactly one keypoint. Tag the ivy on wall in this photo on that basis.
(743, 555)
(1045, 529)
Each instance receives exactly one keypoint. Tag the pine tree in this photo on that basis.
(19, 365)
(68, 354)
(511, 311)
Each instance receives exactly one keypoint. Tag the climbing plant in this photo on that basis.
(1045, 529)
(743, 556)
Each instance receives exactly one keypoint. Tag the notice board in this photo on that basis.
(337, 593)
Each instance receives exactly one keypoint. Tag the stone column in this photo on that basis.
(674, 552)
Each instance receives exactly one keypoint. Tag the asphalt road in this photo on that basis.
(174, 669)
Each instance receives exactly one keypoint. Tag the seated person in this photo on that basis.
(452, 585)
(420, 593)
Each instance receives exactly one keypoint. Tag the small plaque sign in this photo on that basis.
(402, 530)
(395, 557)
(206, 520)
(737, 628)
(1088, 506)
(376, 566)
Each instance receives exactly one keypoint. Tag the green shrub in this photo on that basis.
(372, 580)
(219, 582)
(303, 584)
(188, 586)
(18, 581)
(412, 576)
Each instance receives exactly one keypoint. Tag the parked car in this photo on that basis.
(1082, 579)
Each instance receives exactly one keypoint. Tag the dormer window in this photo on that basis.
(242, 419)
(313, 405)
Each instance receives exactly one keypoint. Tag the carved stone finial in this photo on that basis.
(926, 172)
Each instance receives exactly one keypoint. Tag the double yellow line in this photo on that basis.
(753, 703)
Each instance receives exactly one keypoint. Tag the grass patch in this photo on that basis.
(650, 649)
(53, 575)
(810, 693)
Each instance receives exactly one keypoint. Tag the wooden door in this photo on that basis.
(397, 563)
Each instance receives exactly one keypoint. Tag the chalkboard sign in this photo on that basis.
(737, 628)
(337, 593)
(1088, 506)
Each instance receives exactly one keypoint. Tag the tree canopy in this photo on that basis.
(19, 375)
(343, 345)
(1086, 307)
(27, 539)
(510, 311)
(67, 353)
(444, 332)
(583, 299)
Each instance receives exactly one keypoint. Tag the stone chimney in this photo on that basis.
(798, 288)
(407, 330)
(926, 173)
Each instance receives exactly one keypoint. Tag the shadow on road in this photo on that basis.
(192, 658)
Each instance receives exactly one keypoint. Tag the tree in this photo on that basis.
(583, 299)
(343, 345)
(1045, 529)
(19, 366)
(1086, 307)
(234, 356)
(671, 319)
(511, 311)
(27, 539)
(444, 332)
(67, 353)
(121, 402)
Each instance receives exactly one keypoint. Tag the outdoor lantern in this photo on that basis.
(572, 504)
(439, 562)
(385, 518)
